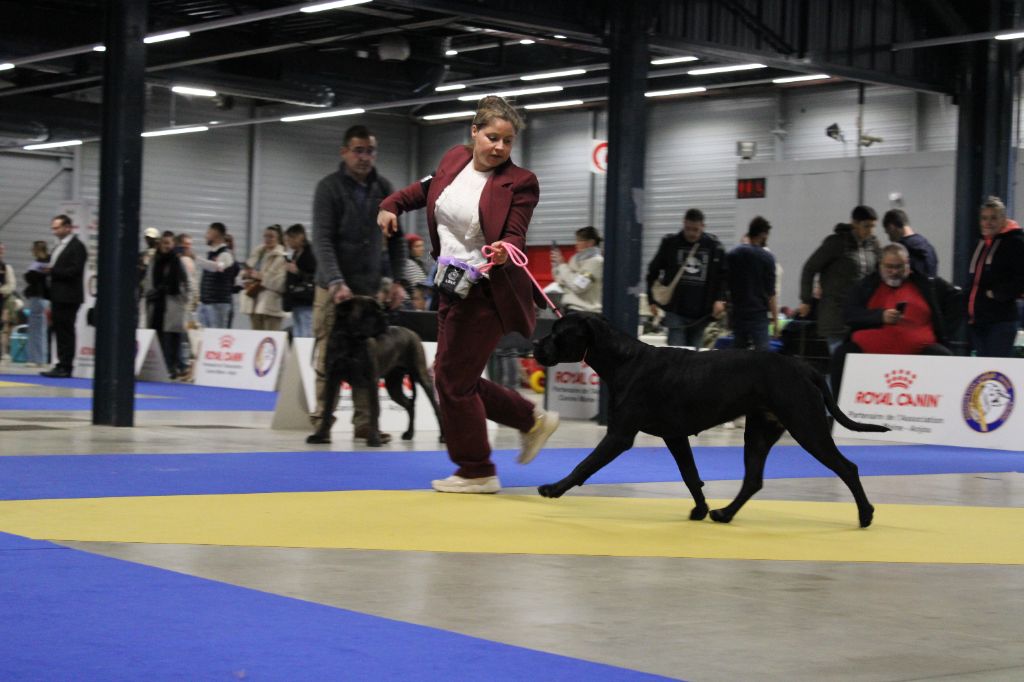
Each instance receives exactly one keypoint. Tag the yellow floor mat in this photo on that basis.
(515, 524)
(15, 384)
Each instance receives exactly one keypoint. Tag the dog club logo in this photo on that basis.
(988, 402)
(225, 354)
(898, 382)
(266, 353)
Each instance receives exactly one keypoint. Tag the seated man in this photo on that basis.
(896, 311)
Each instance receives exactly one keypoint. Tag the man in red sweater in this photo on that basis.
(897, 311)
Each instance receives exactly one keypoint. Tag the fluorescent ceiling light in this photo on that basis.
(556, 105)
(322, 114)
(450, 86)
(1010, 36)
(450, 53)
(52, 145)
(677, 91)
(451, 114)
(99, 48)
(797, 79)
(527, 41)
(6, 66)
(324, 6)
(176, 131)
(672, 60)
(513, 93)
(725, 69)
(198, 92)
(552, 74)
(161, 37)
(559, 36)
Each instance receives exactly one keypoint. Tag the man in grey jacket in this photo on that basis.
(350, 248)
(847, 255)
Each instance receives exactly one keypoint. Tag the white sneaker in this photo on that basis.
(545, 424)
(458, 484)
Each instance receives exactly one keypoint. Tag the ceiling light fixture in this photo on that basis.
(450, 53)
(52, 145)
(451, 114)
(6, 66)
(725, 69)
(161, 37)
(558, 36)
(323, 114)
(552, 74)
(176, 131)
(661, 61)
(324, 6)
(99, 48)
(198, 92)
(513, 93)
(797, 79)
(527, 41)
(1010, 36)
(450, 86)
(677, 91)
(555, 105)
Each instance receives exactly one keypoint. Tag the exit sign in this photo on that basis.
(750, 188)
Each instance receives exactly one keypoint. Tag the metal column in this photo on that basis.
(627, 140)
(120, 197)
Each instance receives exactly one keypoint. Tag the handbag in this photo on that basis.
(662, 293)
(456, 277)
(253, 289)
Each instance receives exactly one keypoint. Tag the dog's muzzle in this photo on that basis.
(542, 354)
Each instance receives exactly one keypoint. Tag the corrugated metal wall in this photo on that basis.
(21, 176)
(558, 153)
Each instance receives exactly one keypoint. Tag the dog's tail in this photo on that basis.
(833, 408)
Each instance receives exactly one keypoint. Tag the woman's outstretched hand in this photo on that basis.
(388, 222)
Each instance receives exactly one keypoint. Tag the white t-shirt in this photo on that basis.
(457, 212)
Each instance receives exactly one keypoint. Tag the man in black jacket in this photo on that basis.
(349, 249)
(67, 292)
(699, 294)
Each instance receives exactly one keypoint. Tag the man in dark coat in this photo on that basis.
(67, 292)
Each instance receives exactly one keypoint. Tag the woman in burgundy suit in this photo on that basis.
(478, 197)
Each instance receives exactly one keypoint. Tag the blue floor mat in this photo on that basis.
(71, 615)
(149, 396)
(67, 476)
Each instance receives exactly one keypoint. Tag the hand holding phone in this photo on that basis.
(901, 307)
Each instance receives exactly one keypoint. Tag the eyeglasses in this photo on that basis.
(363, 151)
(893, 266)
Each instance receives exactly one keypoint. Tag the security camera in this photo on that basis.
(868, 140)
(835, 133)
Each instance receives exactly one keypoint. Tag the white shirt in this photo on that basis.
(457, 212)
(59, 249)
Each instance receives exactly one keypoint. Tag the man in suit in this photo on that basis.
(67, 292)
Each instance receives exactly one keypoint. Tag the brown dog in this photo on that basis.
(361, 349)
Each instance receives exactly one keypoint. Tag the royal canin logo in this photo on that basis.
(900, 378)
(899, 382)
(226, 341)
(224, 355)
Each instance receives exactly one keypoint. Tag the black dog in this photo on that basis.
(362, 348)
(674, 393)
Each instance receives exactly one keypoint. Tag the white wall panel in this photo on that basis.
(558, 150)
(21, 176)
(434, 141)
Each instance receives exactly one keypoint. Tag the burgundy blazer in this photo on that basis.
(506, 206)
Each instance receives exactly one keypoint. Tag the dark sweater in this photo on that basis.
(703, 281)
(751, 274)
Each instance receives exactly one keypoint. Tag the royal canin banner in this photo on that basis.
(573, 390)
(968, 402)
(237, 358)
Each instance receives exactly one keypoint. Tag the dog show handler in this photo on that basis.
(478, 197)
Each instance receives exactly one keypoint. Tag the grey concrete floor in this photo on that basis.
(696, 619)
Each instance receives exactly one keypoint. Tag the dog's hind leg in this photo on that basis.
(610, 447)
(762, 432)
(422, 377)
(393, 382)
(681, 452)
(814, 437)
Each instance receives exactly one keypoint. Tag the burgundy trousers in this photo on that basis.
(468, 331)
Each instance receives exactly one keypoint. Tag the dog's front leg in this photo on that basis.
(329, 398)
(610, 447)
(681, 452)
(373, 400)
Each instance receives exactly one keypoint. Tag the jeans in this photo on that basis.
(684, 331)
(993, 340)
(302, 321)
(751, 332)
(37, 331)
(215, 315)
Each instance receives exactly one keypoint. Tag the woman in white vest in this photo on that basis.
(263, 279)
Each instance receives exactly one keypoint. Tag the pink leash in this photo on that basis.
(518, 258)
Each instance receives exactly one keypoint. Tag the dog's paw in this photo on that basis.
(407, 435)
(698, 513)
(720, 516)
(549, 490)
(318, 439)
(866, 516)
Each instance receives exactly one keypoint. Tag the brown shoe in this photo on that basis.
(363, 432)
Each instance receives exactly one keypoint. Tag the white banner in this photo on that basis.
(238, 358)
(968, 402)
(149, 358)
(573, 390)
